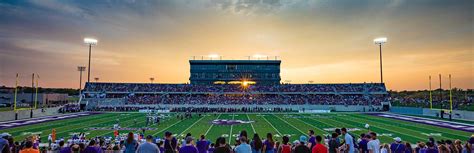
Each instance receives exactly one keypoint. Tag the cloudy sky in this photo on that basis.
(326, 41)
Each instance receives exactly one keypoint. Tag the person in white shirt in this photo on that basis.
(373, 145)
(148, 146)
(50, 140)
(348, 140)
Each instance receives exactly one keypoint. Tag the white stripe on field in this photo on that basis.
(289, 124)
(191, 125)
(251, 123)
(209, 129)
(231, 126)
(312, 125)
(105, 133)
(167, 127)
(272, 125)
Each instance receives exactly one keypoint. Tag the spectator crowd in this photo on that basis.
(146, 87)
(282, 94)
(340, 141)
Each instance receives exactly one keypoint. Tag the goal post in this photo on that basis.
(445, 109)
(34, 98)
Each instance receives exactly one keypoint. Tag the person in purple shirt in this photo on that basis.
(364, 139)
(91, 148)
(431, 148)
(202, 145)
(268, 144)
(189, 147)
(211, 149)
(63, 149)
(397, 146)
(312, 139)
(160, 145)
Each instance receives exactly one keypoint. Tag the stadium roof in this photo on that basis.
(234, 61)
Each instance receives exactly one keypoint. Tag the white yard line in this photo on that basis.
(272, 125)
(251, 123)
(209, 129)
(289, 124)
(191, 125)
(114, 130)
(313, 126)
(386, 124)
(167, 127)
(164, 120)
(408, 123)
(81, 127)
(380, 127)
(231, 126)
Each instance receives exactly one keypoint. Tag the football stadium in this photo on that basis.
(231, 99)
(260, 103)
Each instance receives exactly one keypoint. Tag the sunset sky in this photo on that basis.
(326, 41)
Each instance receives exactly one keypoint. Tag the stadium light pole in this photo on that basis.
(91, 42)
(80, 69)
(214, 56)
(258, 56)
(380, 41)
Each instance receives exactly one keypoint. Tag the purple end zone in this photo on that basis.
(229, 122)
(30, 121)
(434, 122)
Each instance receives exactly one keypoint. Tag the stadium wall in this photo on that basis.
(457, 114)
(24, 114)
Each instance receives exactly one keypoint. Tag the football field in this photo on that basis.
(229, 125)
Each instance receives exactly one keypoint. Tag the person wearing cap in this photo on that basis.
(3, 141)
(397, 146)
(148, 146)
(243, 147)
(188, 147)
(294, 144)
(301, 147)
(183, 143)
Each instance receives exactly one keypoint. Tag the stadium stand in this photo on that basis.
(284, 94)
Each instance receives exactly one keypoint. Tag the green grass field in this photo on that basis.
(278, 124)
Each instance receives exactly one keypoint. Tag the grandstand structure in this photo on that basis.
(266, 72)
(239, 86)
